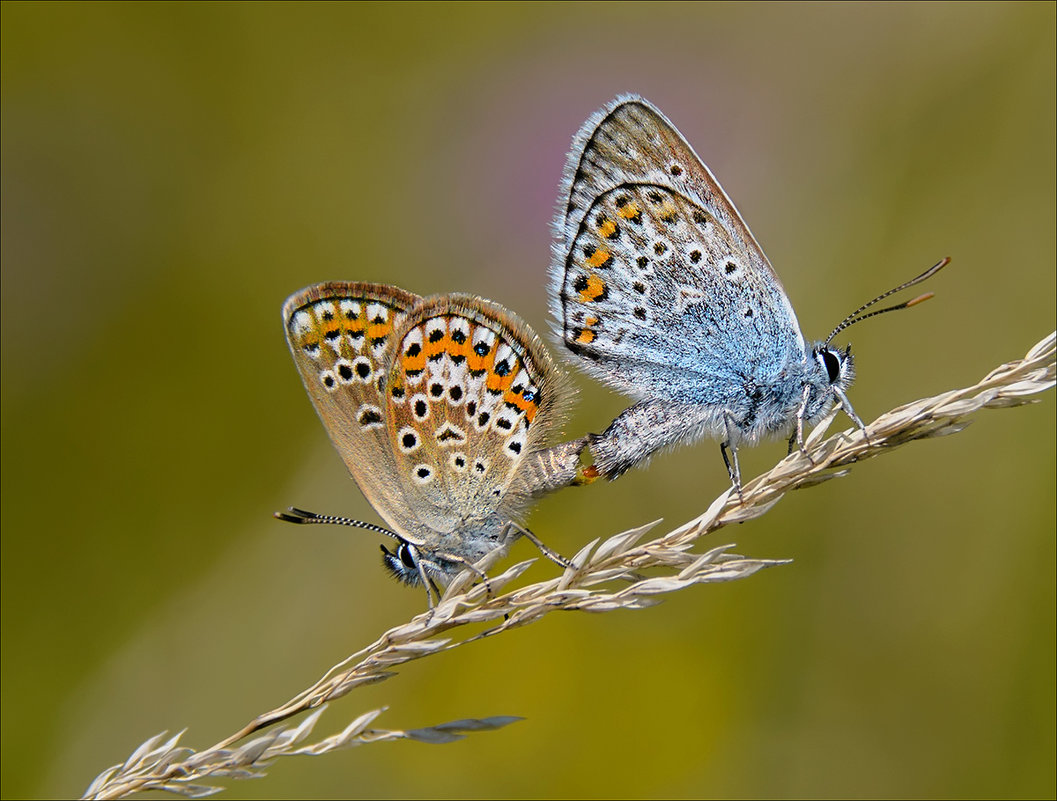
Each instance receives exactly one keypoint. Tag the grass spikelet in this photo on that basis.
(600, 579)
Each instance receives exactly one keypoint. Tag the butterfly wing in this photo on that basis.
(341, 338)
(657, 283)
(471, 392)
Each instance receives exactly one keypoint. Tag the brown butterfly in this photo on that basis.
(442, 408)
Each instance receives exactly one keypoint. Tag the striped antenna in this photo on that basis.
(857, 316)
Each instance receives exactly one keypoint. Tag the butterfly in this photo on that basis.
(442, 409)
(662, 292)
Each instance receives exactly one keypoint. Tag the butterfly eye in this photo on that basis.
(831, 362)
(408, 558)
(401, 563)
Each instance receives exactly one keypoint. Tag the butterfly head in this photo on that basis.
(835, 364)
(407, 563)
(402, 563)
(830, 371)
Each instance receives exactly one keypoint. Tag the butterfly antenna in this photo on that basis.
(857, 316)
(295, 515)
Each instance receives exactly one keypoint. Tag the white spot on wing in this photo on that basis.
(363, 360)
(435, 324)
(343, 368)
(415, 399)
(516, 445)
(301, 322)
(377, 312)
(408, 440)
(505, 421)
(484, 335)
(450, 435)
(369, 417)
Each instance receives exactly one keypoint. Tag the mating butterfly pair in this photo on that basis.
(444, 409)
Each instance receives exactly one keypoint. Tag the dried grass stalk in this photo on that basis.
(601, 578)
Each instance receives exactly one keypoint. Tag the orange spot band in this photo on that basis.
(600, 258)
(595, 289)
(414, 364)
(433, 348)
(378, 330)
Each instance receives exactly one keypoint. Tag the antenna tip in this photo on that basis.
(293, 515)
(919, 299)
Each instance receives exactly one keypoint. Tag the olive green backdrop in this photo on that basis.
(171, 172)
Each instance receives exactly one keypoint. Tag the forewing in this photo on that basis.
(341, 338)
(659, 284)
(470, 393)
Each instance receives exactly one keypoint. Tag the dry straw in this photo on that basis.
(601, 578)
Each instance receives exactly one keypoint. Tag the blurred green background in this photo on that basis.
(171, 172)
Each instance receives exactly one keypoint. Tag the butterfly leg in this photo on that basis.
(467, 565)
(554, 556)
(733, 470)
(427, 582)
(845, 404)
(432, 591)
(798, 433)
